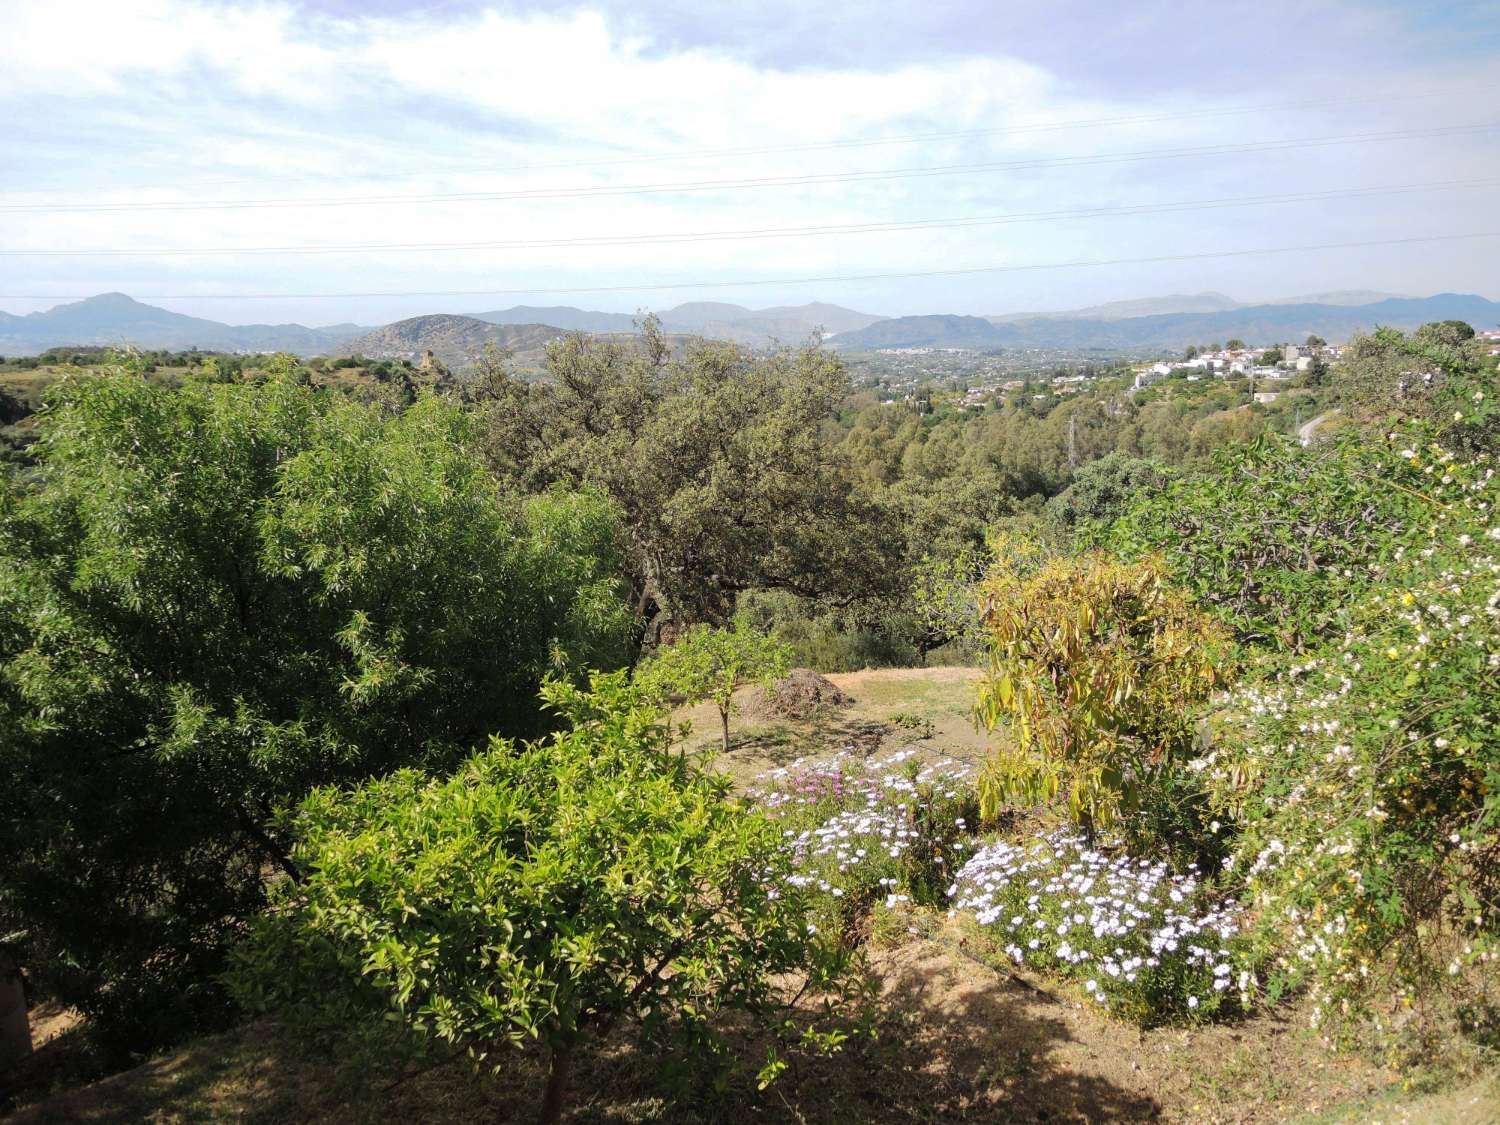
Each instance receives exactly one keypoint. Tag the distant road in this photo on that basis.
(1305, 431)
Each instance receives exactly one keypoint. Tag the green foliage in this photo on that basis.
(1104, 490)
(1439, 374)
(217, 597)
(1364, 779)
(543, 894)
(873, 834)
(1276, 538)
(706, 663)
(716, 458)
(832, 638)
(1097, 665)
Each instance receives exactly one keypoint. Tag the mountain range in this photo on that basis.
(1255, 324)
(1135, 326)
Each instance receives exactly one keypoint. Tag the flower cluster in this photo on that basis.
(1148, 944)
(873, 831)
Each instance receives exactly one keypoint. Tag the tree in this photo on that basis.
(706, 663)
(1272, 356)
(1316, 342)
(1103, 490)
(547, 893)
(1097, 663)
(718, 460)
(219, 597)
(1235, 345)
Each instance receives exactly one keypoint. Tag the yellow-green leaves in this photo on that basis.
(1096, 665)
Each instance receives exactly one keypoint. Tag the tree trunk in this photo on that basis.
(15, 1026)
(724, 719)
(557, 1084)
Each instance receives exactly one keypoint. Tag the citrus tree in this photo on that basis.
(706, 663)
(545, 894)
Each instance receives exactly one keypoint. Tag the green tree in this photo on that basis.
(706, 663)
(546, 893)
(718, 460)
(1272, 356)
(218, 597)
(1235, 345)
(1316, 342)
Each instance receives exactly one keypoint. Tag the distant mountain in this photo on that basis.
(831, 318)
(1140, 306)
(562, 316)
(941, 331)
(1339, 297)
(114, 318)
(456, 340)
(1255, 324)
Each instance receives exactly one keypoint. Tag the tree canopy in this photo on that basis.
(218, 597)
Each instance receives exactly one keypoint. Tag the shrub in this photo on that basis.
(1365, 778)
(875, 833)
(1275, 539)
(545, 893)
(1097, 664)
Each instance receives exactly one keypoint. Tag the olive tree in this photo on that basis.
(546, 893)
(212, 600)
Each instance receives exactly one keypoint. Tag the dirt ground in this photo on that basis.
(928, 709)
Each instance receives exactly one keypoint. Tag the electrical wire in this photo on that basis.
(757, 182)
(668, 238)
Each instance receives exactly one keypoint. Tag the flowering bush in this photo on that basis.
(1148, 944)
(1364, 780)
(867, 834)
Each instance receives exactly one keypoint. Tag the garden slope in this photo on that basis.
(962, 1036)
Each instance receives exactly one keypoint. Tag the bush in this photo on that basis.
(545, 893)
(216, 598)
(1097, 664)
(1275, 539)
(866, 835)
(1365, 778)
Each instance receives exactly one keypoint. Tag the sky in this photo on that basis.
(368, 160)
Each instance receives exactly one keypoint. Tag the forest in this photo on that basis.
(349, 698)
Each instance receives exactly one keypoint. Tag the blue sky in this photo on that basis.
(158, 107)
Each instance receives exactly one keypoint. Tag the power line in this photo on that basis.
(811, 280)
(667, 238)
(756, 182)
(827, 146)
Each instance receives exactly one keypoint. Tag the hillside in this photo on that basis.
(963, 1034)
(456, 340)
(1255, 324)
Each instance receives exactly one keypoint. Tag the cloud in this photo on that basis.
(190, 99)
